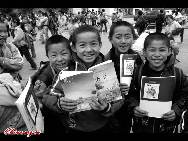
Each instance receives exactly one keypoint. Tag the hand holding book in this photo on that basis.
(124, 88)
(98, 105)
(67, 104)
(170, 116)
(138, 112)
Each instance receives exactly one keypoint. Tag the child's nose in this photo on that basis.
(123, 40)
(59, 58)
(88, 48)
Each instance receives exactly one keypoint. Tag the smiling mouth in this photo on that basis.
(88, 56)
(156, 61)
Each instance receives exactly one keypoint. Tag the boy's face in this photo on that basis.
(59, 56)
(3, 33)
(87, 47)
(122, 39)
(157, 53)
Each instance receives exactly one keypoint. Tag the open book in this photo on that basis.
(156, 95)
(99, 81)
(127, 62)
(28, 106)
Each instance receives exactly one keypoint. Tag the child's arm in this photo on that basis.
(13, 62)
(181, 97)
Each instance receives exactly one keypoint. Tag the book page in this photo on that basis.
(29, 108)
(155, 108)
(156, 95)
(79, 86)
(106, 81)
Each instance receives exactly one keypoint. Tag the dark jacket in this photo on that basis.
(116, 59)
(179, 100)
(42, 80)
(122, 120)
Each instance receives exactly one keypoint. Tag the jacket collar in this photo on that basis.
(80, 65)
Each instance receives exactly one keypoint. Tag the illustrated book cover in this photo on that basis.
(156, 95)
(28, 106)
(127, 64)
(99, 81)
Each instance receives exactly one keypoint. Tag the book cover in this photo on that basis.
(98, 81)
(156, 95)
(106, 81)
(127, 63)
(76, 85)
(28, 106)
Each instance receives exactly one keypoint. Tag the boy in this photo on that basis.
(157, 52)
(59, 55)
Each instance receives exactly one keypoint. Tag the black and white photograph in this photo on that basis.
(40, 44)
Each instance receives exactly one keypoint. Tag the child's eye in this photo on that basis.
(152, 50)
(162, 50)
(53, 55)
(127, 37)
(64, 54)
(118, 37)
(81, 45)
(94, 44)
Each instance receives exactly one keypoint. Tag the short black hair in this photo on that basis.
(121, 23)
(17, 21)
(140, 13)
(81, 29)
(54, 40)
(156, 36)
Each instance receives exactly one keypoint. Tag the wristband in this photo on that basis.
(109, 107)
(58, 104)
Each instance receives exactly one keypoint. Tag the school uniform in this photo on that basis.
(179, 99)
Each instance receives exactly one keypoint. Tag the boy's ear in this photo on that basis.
(73, 48)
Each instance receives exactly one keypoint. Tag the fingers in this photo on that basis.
(170, 116)
(124, 89)
(68, 104)
(139, 112)
(98, 105)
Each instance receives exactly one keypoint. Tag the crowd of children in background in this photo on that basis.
(79, 50)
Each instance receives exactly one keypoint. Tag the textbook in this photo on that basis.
(156, 95)
(99, 81)
(28, 106)
(127, 62)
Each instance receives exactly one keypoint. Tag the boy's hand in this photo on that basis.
(68, 104)
(170, 116)
(139, 112)
(98, 105)
(124, 88)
